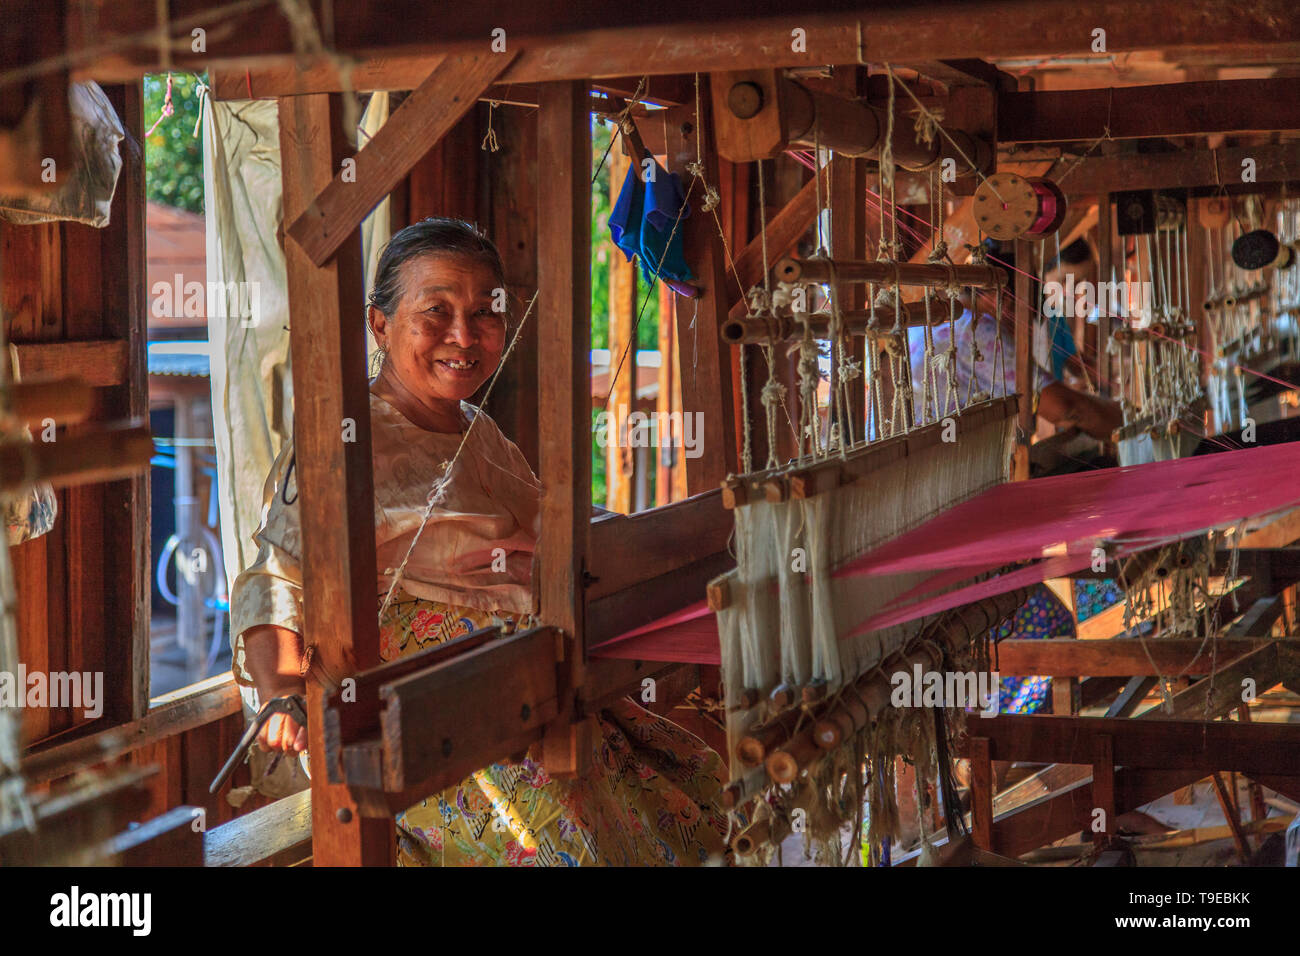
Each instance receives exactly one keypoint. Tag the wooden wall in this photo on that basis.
(74, 305)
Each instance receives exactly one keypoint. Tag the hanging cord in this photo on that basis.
(490, 142)
(773, 391)
(623, 120)
(928, 120)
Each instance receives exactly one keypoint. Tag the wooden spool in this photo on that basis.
(1008, 206)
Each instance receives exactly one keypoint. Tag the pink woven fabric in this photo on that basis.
(1054, 522)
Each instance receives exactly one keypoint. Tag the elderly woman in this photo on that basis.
(650, 797)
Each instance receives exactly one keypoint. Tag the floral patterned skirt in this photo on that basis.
(650, 797)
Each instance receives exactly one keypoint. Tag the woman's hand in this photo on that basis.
(271, 657)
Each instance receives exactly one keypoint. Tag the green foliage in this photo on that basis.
(173, 155)
(598, 463)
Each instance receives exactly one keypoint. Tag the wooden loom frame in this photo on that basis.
(894, 35)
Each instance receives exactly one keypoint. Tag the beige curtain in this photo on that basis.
(252, 389)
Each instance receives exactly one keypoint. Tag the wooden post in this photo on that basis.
(512, 179)
(1103, 786)
(334, 469)
(564, 399)
(1105, 263)
(705, 361)
(981, 792)
(667, 399)
(1024, 361)
(620, 460)
(848, 183)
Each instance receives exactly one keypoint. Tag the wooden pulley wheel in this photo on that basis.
(1214, 212)
(1008, 206)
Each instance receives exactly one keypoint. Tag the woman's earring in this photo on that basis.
(377, 358)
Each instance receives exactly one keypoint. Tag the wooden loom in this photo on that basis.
(601, 591)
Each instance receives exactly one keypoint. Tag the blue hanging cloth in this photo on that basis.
(641, 223)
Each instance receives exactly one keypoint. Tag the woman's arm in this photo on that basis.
(272, 657)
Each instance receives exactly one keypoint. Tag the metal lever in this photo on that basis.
(294, 706)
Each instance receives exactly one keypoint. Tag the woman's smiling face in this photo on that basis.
(444, 340)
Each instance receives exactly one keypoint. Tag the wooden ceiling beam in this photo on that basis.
(117, 41)
(415, 127)
(1136, 112)
(1119, 657)
(1188, 169)
(1200, 745)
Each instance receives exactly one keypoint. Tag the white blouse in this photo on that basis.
(476, 550)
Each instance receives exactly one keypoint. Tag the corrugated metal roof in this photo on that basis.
(180, 358)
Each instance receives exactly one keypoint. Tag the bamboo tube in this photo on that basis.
(753, 748)
(1229, 299)
(752, 329)
(752, 837)
(77, 459)
(791, 269)
(844, 716)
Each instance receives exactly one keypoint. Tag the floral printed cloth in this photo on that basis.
(650, 798)
(1042, 616)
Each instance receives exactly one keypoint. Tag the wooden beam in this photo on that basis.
(980, 751)
(726, 35)
(99, 363)
(429, 745)
(1183, 169)
(1215, 695)
(620, 458)
(334, 475)
(1117, 657)
(564, 399)
(637, 548)
(415, 127)
(1194, 745)
(170, 839)
(278, 834)
(1152, 111)
(783, 231)
(200, 705)
(1025, 372)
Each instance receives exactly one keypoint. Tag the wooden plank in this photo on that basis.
(171, 839)
(335, 479)
(1215, 695)
(1193, 745)
(1151, 111)
(1117, 657)
(1131, 697)
(428, 744)
(620, 460)
(276, 834)
(1103, 786)
(412, 130)
(70, 827)
(564, 399)
(195, 706)
(117, 308)
(637, 548)
(1187, 169)
(101, 362)
(512, 178)
(643, 602)
(705, 363)
(980, 750)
